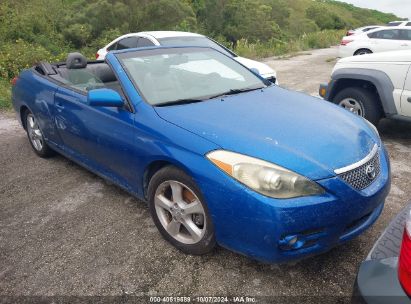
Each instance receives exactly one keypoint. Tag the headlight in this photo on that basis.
(264, 177)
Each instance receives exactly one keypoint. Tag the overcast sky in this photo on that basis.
(402, 8)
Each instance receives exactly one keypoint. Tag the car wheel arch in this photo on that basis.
(24, 110)
(345, 83)
(356, 77)
(156, 165)
(369, 51)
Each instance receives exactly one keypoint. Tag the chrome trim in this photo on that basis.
(359, 163)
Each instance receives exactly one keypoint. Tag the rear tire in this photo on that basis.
(362, 52)
(361, 102)
(179, 211)
(36, 137)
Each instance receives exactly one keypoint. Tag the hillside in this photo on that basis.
(32, 30)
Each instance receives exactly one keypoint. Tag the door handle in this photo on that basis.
(409, 99)
(404, 44)
(59, 106)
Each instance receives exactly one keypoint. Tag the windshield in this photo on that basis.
(194, 41)
(166, 75)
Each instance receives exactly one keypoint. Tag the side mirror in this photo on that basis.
(104, 98)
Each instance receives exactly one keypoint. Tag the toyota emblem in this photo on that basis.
(370, 172)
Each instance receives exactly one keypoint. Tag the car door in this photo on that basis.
(406, 96)
(405, 36)
(102, 138)
(385, 40)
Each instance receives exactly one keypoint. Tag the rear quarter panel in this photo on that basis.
(36, 93)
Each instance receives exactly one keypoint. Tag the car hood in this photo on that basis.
(305, 134)
(263, 69)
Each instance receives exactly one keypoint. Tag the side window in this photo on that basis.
(386, 34)
(405, 34)
(112, 47)
(408, 24)
(127, 43)
(142, 42)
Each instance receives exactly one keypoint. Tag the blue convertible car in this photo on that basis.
(220, 155)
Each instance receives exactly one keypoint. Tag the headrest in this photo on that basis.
(76, 61)
(105, 73)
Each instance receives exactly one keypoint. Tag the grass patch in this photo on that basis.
(5, 95)
(316, 40)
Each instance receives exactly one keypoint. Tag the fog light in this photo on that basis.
(290, 242)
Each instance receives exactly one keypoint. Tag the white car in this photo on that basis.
(363, 29)
(399, 23)
(372, 86)
(173, 38)
(383, 39)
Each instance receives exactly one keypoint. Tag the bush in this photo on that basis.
(20, 55)
(5, 94)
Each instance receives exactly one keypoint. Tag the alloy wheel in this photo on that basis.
(35, 135)
(180, 212)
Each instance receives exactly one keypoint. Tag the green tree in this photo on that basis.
(167, 15)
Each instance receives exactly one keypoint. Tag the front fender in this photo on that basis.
(379, 79)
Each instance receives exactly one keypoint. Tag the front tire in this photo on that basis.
(361, 102)
(36, 137)
(179, 211)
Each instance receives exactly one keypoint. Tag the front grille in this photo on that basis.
(364, 175)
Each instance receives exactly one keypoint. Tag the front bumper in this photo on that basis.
(259, 226)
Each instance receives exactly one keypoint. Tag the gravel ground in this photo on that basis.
(67, 232)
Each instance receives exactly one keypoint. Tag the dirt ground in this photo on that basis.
(65, 231)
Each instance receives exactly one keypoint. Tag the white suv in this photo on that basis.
(373, 86)
(378, 40)
(174, 38)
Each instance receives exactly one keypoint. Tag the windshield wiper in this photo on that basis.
(187, 101)
(236, 91)
(178, 102)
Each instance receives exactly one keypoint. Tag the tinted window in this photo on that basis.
(386, 34)
(195, 41)
(393, 23)
(408, 24)
(112, 47)
(142, 42)
(127, 43)
(405, 34)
